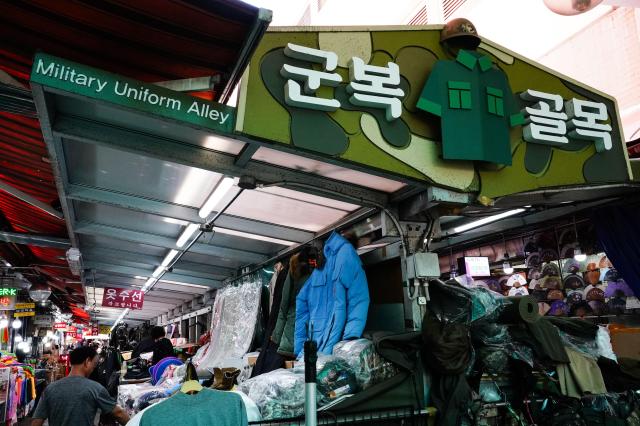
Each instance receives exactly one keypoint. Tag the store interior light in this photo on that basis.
(187, 233)
(579, 255)
(16, 323)
(148, 284)
(507, 268)
(159, 270)
(169, 258)
(4, 323)
(18, 338)
(221, 190)
(250, 236)
(486, 220)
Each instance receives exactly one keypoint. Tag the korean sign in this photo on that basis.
(8, 298)
(24, 310)
(60, 326)
(396, 103)
(122, 298)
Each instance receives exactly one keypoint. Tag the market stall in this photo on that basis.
(327, 207)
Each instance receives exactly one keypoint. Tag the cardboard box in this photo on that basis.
(626, 343)
(251, 359)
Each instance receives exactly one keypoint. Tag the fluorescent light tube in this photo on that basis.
(187, 233)
(169, 258)
(486, 220)
(159, 270)
(221, 190)
(253, 236)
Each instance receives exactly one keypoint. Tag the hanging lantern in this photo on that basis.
(39, 292)
(571, 7)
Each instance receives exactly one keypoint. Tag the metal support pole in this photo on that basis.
(310, 401)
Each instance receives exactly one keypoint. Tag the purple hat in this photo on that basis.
(559, 309)
(549, 255)
(595, 293)
(533, 260)
(618, 289)
(598, 307)
(570, 266)
(157, 370)
(617, 305)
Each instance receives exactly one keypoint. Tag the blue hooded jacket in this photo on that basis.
(335, 299)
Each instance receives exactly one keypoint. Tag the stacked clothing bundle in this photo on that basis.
(278, 394)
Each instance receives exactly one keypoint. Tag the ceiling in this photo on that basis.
(144, 40)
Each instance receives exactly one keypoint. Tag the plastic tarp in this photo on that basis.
(235, 313)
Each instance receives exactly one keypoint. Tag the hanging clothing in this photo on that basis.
(582, 376)
(269, 358)
(283, 333)
(277, 269)
(206, 408)
(335, 299)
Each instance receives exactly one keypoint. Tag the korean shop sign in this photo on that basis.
(8, 298)
(60, 326)
(80, 79)
(395, 102)
(24, 310)
(122, 298)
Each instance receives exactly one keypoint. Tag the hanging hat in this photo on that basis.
(551, 283)
(580, 309)
(604, 262)
(617, 305)
(618, 289)
(594, 293)
(555, 295)
(533, 260)
(549, 255)
(612, 275)
(516, 278)
(592, 267)
(570, 266)
(534, 273)
(574, 296)
(558, 309)
(599, 307)
(550, 270)
(573, 282)
(539, 295)
(543, 308)
(157, 370)
(592, 276)
(494, 285)
(518, 291)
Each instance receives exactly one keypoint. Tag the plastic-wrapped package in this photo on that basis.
(235, 314)
(603, 342)
(486, 304)
(128, 395)
(199, 355)
(587, 347)
(278, 394)
(336, 378)
(369, 366)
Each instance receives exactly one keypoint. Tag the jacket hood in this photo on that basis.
(334, 243)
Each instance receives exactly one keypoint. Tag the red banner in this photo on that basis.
(122, 298)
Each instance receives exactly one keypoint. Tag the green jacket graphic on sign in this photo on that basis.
(476, 105)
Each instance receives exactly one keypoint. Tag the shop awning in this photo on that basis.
(210, 41)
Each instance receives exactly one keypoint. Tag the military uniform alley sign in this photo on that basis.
(397, 102)
(97, 84)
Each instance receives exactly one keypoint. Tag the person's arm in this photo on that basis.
(37, 422)
(120, 415)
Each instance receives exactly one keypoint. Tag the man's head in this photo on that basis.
(84, 359)
(157, 333)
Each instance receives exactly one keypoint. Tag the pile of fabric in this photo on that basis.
(503, 350)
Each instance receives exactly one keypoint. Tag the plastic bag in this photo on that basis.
(235, 313)
(370, 368)
(278, 394)
(586, 347)
(336, 378)
(603, 342)
(128, 395)
(485, 304)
